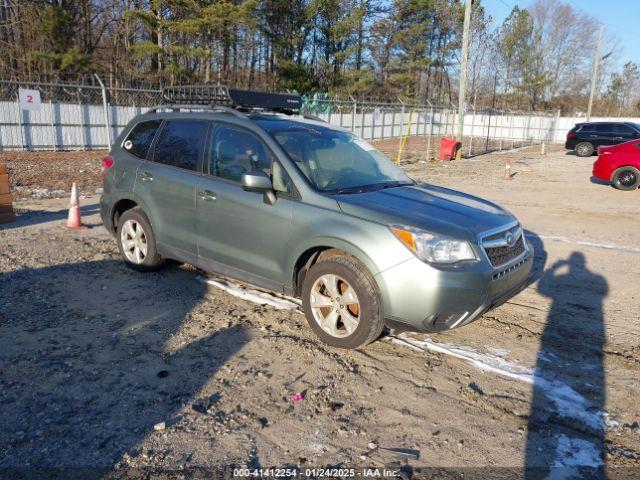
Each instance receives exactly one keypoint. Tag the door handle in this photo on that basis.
(207, 195)
(146, 177)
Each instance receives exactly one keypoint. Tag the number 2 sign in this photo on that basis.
(29, 99)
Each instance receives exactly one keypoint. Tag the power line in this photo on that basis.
(509, 7)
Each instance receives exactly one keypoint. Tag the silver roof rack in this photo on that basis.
(208, 108)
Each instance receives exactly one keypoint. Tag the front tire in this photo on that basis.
(342, 302)
(136, 241)
(584, 149)
(626, 178)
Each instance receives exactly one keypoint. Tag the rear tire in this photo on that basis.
(584, 149)
(136, 241)
(342, 302)
(626, 178)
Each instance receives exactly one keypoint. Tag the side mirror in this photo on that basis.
(256, 182)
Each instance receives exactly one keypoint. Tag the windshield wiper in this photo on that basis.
(345, 191)
(394, 184)
(368, 188)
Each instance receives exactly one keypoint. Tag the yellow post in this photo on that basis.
(403, 140)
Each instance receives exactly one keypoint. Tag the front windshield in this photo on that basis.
(336, 161)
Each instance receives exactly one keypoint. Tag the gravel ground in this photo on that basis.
(106, 367)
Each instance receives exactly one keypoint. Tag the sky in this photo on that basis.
(620, 18)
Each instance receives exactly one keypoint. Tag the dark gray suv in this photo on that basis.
(253, 190)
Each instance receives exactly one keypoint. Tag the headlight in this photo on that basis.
(432, 248)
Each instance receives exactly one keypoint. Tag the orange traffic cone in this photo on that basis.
(507, 169)
(74, 221)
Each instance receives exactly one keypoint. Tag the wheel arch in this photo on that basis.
(119, 208)
(624, 165)
(324, 248)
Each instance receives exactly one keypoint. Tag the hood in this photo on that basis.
(434, 209)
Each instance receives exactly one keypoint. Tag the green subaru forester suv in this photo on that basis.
(242, 185)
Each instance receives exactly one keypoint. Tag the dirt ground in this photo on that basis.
(95, 357)
(50, 174)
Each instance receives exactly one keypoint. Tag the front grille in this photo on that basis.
(503, 254)
(509, 269)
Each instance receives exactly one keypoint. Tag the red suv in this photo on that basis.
(619, 165)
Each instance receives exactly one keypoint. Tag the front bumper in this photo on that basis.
(420, 297)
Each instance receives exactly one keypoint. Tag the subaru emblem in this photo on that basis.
(510, 239)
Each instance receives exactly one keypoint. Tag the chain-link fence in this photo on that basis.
(70, 117)
(483, 131)
(79, 117)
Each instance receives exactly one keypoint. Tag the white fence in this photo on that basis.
(73, 117)
(425, 121)
(61, 126)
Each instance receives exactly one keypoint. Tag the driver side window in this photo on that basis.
(234, 151)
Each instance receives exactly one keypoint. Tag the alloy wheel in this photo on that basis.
(134, 242)
(583, 150)
(335, 305)
(627, 178)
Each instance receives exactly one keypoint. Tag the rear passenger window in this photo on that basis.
(140, 138)
(603, 128)
(181, 143)
(624, 129)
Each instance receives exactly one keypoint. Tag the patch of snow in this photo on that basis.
(255, 296)
(547, 356)
(567, 402)
(572, 453)
(39, 193)
(611, 424)
(483, 362)
(498, 352)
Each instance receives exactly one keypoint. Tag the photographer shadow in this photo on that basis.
(566, 425)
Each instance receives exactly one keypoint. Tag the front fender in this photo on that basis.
(371, 243)
(331, 242)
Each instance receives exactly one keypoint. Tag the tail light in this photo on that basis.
(571, 135)
(107, 163)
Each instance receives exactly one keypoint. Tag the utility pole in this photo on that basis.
(463, 68)
(594, 72)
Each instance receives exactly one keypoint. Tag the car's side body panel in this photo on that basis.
(238, 229)
(169, 198)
